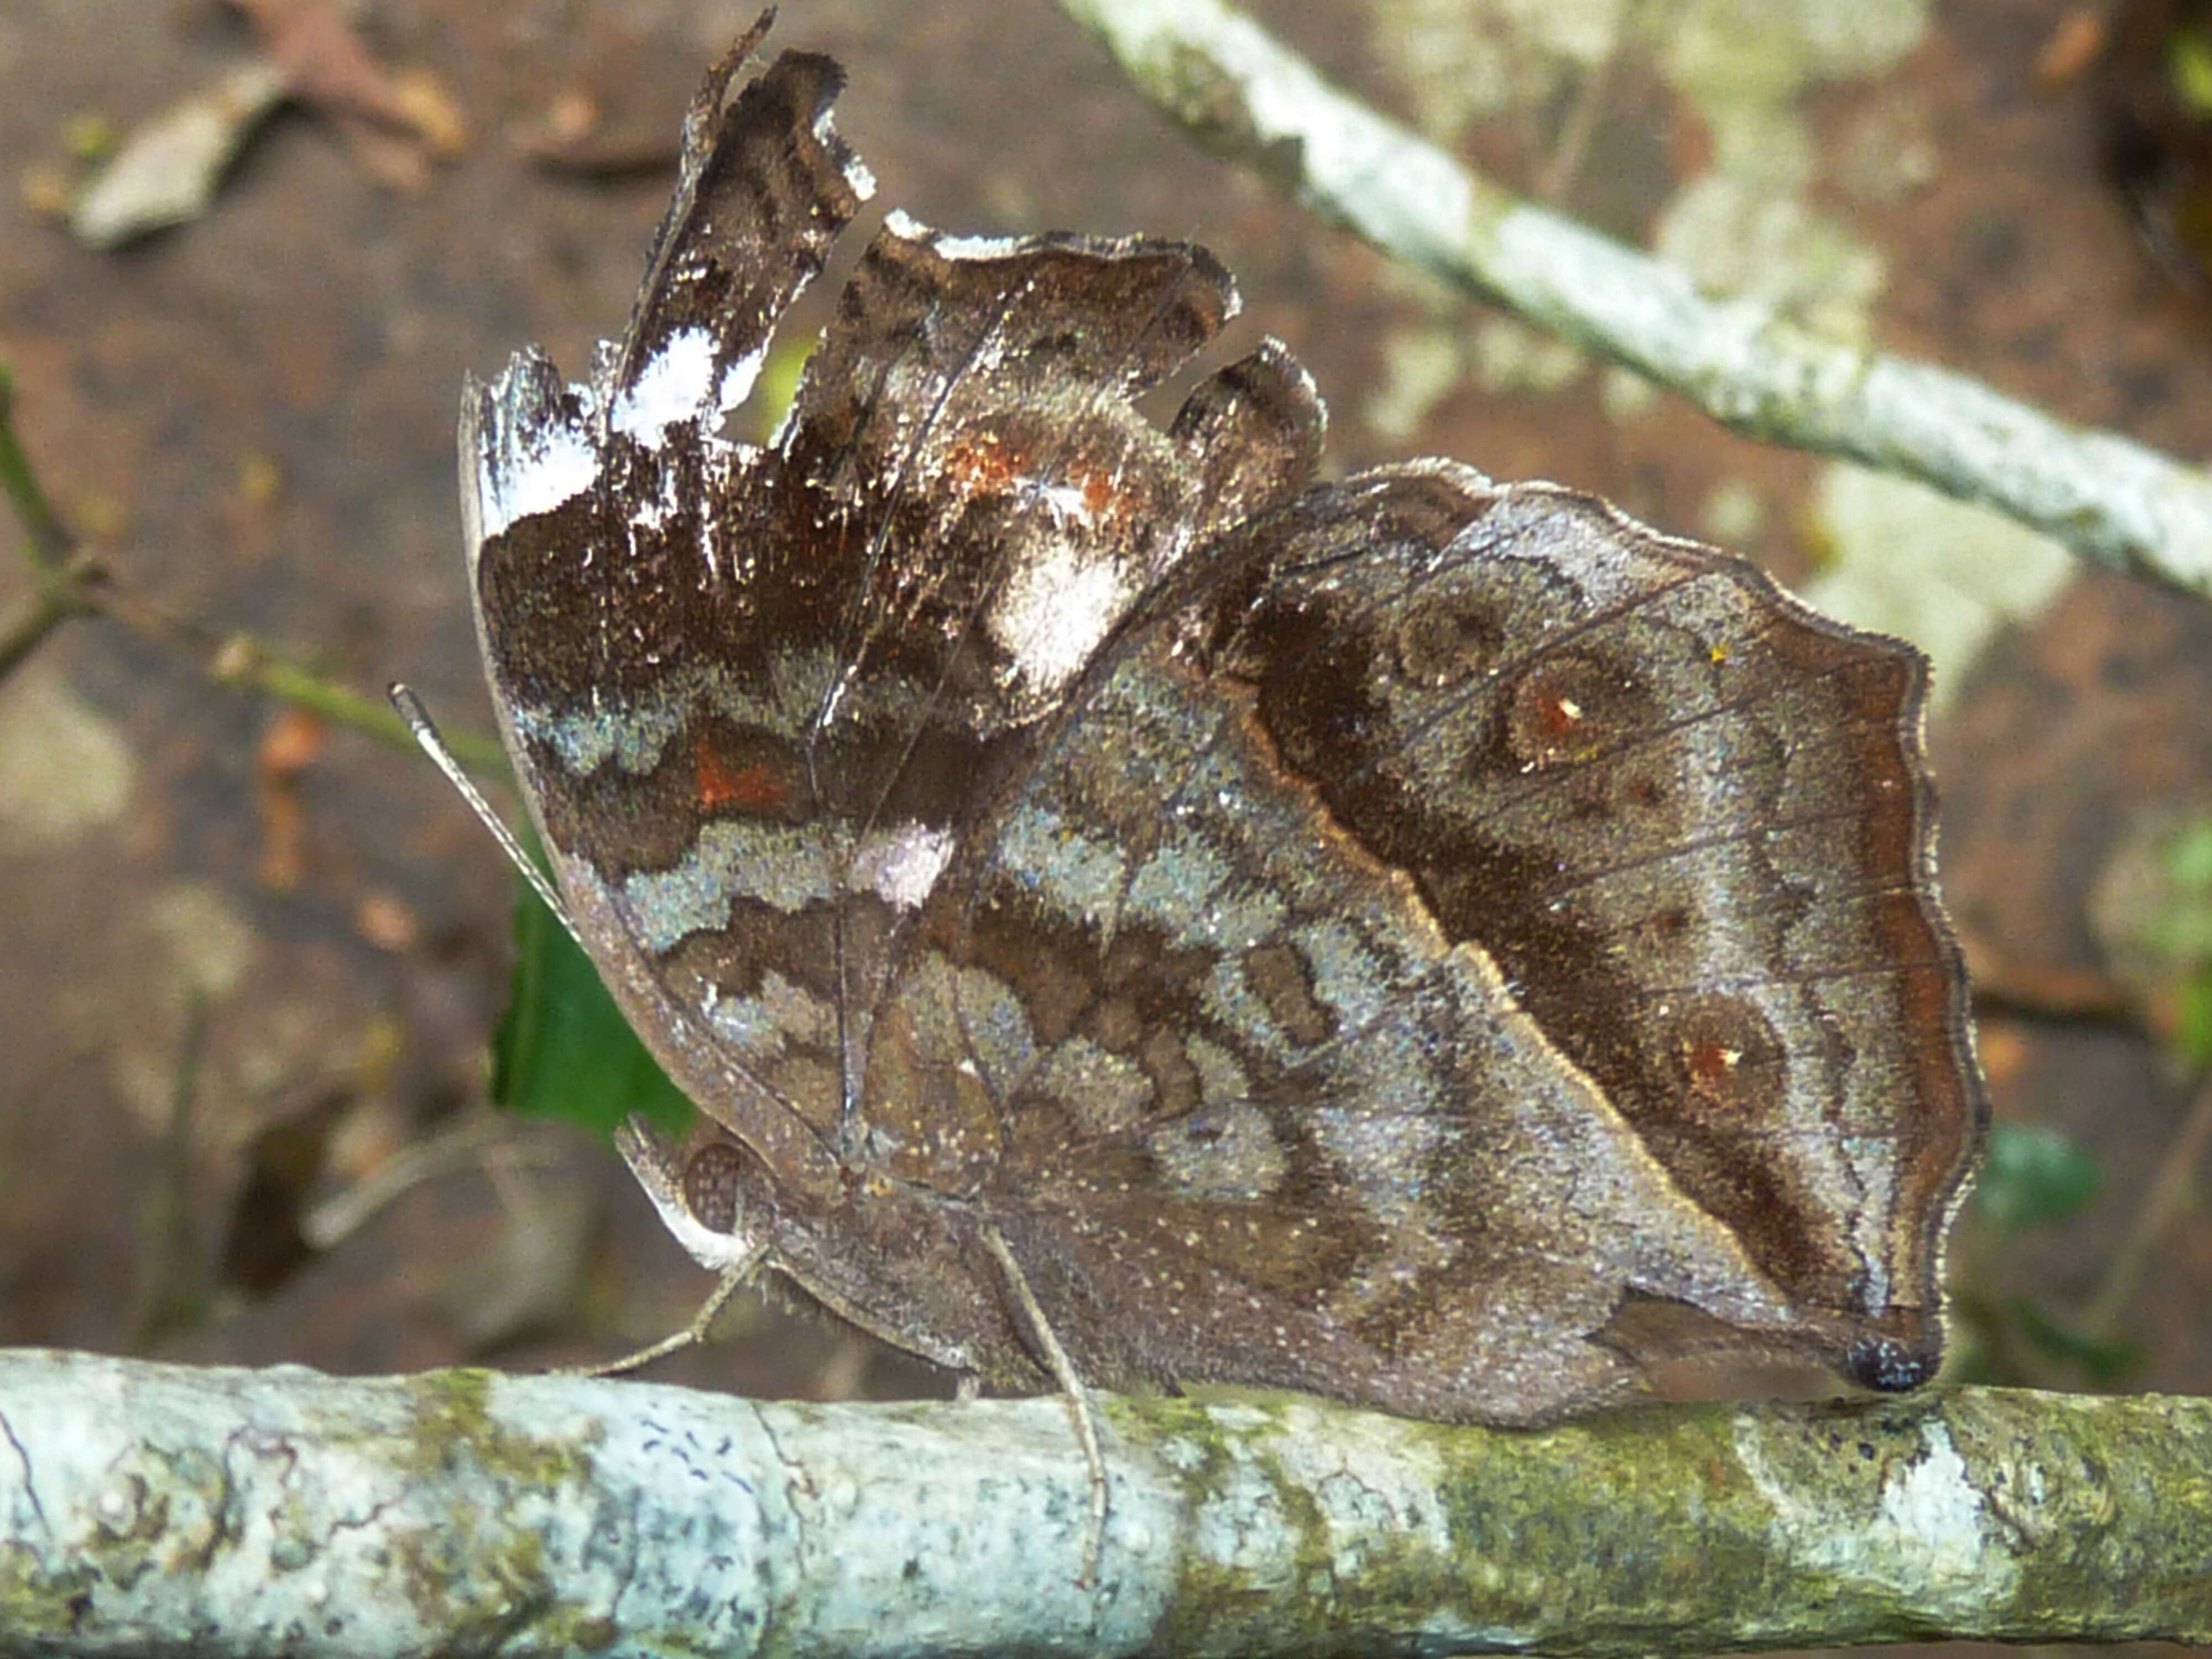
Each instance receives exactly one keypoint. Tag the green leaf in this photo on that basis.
(2180, 928)
(777, 389)
(2188, 60)
(2192, 1033)
(2189, 857)
(2034, 1177)
(564, 1050)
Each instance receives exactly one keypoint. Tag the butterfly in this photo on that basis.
(1129, 912)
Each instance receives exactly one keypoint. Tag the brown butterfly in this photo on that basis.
(1129, 913)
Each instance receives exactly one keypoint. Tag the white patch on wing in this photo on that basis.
(1064, 502)
(979, 247)
(902, 866)
(660, 507)
(1056, 608)
(547, 467)
(672, 386)
(901, 223)
(738, 380)
(856, 171)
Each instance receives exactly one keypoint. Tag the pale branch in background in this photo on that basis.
(160, 1508)
(1249, 98)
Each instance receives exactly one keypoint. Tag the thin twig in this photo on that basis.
(65, 590)
(245, 662)
(72, 582)
(2112, 501)
(169, 1293)
(50, 539)
(467, 1144)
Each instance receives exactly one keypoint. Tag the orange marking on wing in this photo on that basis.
(717, 784)
(1559, 715)
(983, 465)
(1709, 1064)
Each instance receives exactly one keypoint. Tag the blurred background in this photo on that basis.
(253, 958)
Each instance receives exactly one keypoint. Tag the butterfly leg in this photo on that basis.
(1071, 1387)
(733, 1279)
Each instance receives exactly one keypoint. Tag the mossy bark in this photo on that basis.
(159, 1508)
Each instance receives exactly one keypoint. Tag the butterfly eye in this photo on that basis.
(1893, 1365)
(710, 1186)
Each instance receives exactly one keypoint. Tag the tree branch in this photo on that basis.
(156, 1508)
(1247, 96)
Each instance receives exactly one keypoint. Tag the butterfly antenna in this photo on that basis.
(425, 731)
